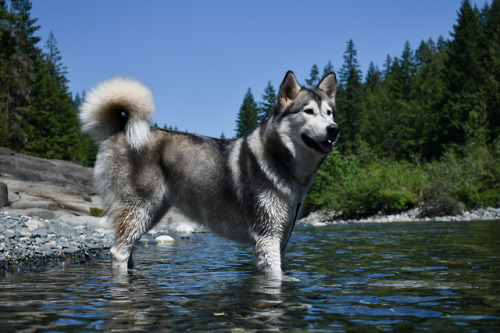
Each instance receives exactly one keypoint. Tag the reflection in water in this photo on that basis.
(408, 276)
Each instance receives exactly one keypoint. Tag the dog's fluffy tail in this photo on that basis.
(115, 105)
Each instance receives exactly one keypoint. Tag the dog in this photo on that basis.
(249, 189)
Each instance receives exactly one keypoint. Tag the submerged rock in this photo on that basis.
(164, 239)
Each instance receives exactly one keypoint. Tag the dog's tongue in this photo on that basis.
(326, 146)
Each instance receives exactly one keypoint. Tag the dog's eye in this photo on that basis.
(329, 112)
(309, 111)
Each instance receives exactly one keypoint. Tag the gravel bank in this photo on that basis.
(321, 218)
(27, 243)
(31, 243)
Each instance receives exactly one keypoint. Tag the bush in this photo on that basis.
(344, 186)
(458, 181)
(462, 181)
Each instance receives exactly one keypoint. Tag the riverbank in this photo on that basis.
(30, 243)
(321, 218)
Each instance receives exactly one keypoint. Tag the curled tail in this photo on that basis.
(116, 105)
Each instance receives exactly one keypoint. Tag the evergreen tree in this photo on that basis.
(247, 119)
(17, 72)
(407, 71)
(58, 70)
(373, 77)
(349, 99)
(429, 93)
(313, 80)
(403, 139)
(465, 109)
(490, 43)
(53, 122)
(266, 107)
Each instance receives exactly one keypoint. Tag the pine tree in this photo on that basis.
(313, 80)
(373, 77)
(17, 73)
(266, 107)
(247, 119)
(465, 110)
(490, 43)
(429, 91)
(349, 99)
(58, 70)
(403, 138)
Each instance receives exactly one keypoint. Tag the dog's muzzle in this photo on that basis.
(324, 147)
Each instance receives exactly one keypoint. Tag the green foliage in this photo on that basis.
(37, 113)
(247, 119)
(97, 212)
(266, 107)
(313, 79)
(463, 181)
(345, 185)
(349, 100)
(458, 181)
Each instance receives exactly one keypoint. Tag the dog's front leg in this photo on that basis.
(268, 256)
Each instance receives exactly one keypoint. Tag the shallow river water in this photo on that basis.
(340, 278)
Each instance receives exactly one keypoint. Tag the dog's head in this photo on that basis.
(306, 116)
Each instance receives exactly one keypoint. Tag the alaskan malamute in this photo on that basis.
(249, 189)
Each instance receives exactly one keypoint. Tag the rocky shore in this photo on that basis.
(322, 218)
(29, 243)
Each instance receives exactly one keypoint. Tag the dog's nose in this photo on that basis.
(333, 130)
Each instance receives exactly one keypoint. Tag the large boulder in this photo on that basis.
(45, 188)
(35, 169)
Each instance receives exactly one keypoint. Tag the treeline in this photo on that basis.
(37, 112)
(422, 131)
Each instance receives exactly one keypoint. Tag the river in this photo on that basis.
(434, 276)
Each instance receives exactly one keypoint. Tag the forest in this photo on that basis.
(422, 131)
(37, 112)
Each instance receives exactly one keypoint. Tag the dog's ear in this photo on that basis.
(328, 84)
(289, 90)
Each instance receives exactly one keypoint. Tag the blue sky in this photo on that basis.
(199, 57)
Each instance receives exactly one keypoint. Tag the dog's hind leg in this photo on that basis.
(130, 224)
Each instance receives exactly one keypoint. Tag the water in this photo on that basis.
(341, 278)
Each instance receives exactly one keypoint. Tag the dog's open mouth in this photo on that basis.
(324, 147)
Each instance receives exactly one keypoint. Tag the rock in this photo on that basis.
(34, 169)
(100, 222)
(4, 195)
(184, 228)
(164, 239)
(44, 188)
(35, 224)
(25, 233)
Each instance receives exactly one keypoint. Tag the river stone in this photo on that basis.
(164, 239)
(184, 228)
(34, 224)
(4, 195)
